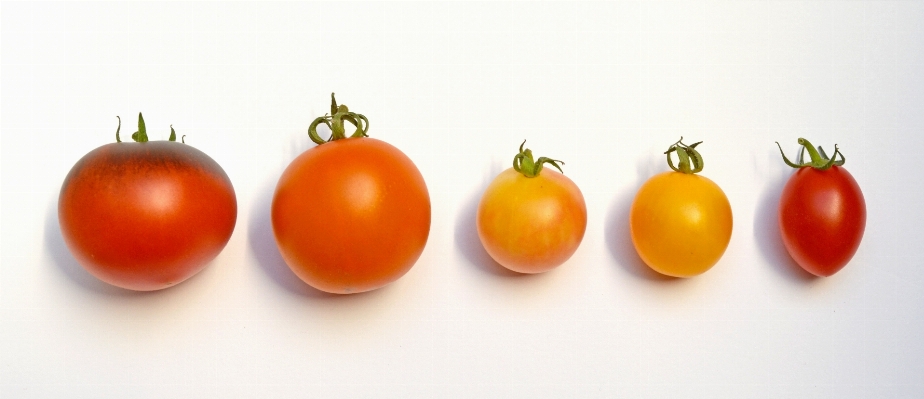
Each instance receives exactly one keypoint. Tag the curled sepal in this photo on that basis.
(334, 121)
(523, 162)
(818, 159)
(313, 129)
(690, 159)
(361, 123)
(141, 135)
(118, 128)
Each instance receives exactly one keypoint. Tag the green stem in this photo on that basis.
(690, 160)
(523, 162)
(818, 159)
(334, 122)
(141, 136)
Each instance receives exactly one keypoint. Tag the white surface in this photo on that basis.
(604, 86)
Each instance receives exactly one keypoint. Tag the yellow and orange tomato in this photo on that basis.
(681, 222)
(530, 219)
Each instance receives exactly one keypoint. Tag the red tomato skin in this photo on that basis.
(351, 215)
(822, 218)
(146, 216)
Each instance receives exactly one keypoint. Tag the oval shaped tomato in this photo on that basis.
(529, 220)
(146, 215)
(681, 222)
(822, 214)
(352, 214)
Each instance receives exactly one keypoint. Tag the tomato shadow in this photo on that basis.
(616, 232)
(468, 242)
(263, 244)
(619, 241)
(62, 258)
(767, 235)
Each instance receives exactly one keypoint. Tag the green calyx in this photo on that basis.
(141, 136)
(524, 163)
(690, 160)
(334, 121)
(819, 160)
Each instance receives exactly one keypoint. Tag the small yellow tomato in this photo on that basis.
(681, 222)
(531, 220)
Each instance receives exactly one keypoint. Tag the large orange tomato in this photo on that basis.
(353, 213)
(681, 222)
(146, 215)
(531, 220)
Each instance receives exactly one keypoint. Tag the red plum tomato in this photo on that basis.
(822, 213)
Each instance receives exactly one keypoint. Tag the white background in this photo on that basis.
(607, 87)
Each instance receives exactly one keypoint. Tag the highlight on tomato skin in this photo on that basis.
(681, 222)
(822, 212)
(531, 220)
(353, 213)
(146, 215)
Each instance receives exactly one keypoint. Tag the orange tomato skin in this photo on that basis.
(351, 215)
(531, 225)
(680, 223)
(146, 216)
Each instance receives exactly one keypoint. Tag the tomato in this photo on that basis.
(531, 220)
(822, 213)
(681, 222)
(352, 214)
(146, 215)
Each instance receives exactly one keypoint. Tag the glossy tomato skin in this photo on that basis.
(822, 218)
(531, 224)
(351, 215)
(146, 216)
(680, 223)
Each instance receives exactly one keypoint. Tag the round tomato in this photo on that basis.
(352, 214)
(822, 213)
(146, 215)
(531, 220)
(681, 222)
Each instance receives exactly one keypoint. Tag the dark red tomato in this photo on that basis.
(352, 214)
(822, 214)
(146, 215)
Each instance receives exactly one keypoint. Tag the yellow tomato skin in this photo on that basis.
(531, 224)
(680, 223)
